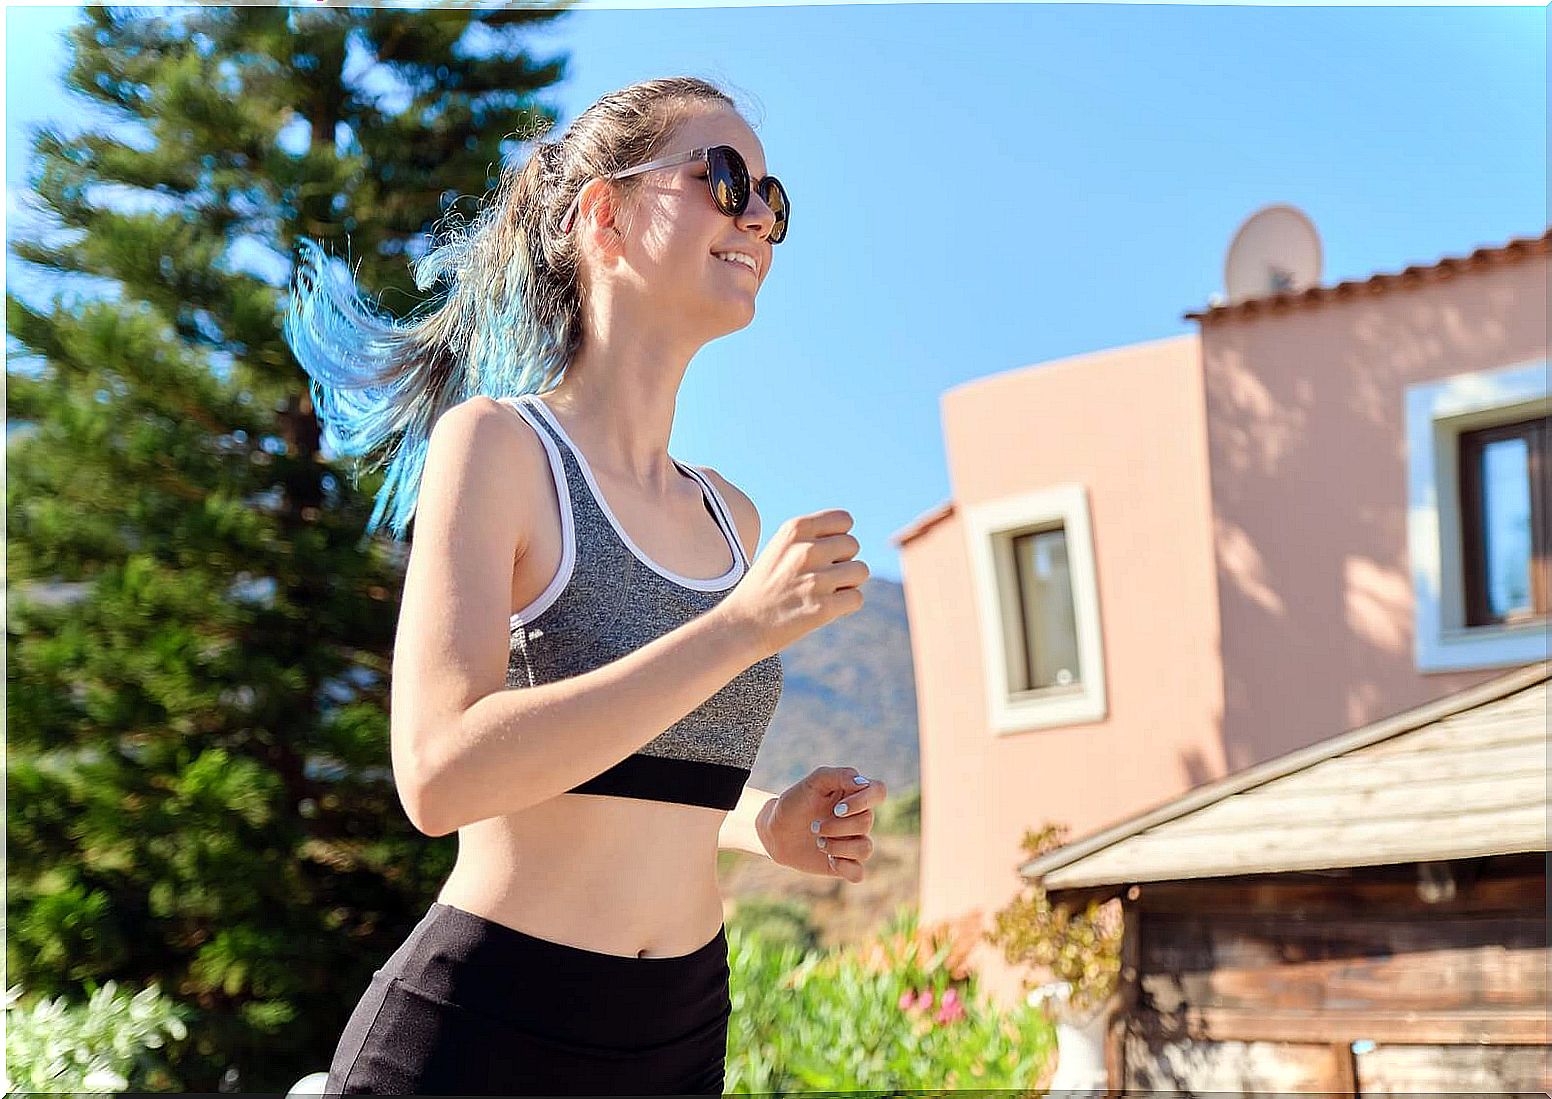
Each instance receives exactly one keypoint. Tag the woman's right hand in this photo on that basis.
(805, 578)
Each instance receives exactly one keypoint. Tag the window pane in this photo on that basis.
(1506, 525)
(1050, 626)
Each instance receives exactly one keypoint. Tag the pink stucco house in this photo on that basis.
(1167, 562)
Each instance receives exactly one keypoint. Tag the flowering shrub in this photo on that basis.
(1080, 948)
(891, 1014)
(99, 1046)
(917, 951)
(916, 1003)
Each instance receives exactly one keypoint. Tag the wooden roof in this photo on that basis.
(1461, 776)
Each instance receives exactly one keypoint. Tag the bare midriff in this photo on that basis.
(614, 875)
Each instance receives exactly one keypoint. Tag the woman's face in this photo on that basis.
(673, 232)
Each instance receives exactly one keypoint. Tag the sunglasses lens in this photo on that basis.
(775, 196)
(728, 176)
(729, 180)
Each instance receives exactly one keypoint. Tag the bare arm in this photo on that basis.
(741, 829)
(517, 747)
(466, 747)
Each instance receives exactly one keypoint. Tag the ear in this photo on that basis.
(597, 212)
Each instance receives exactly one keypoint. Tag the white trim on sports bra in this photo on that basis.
(568, 530)
(715, 583)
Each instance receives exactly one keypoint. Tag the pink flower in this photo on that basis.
(951, 1008)
(911, 1001)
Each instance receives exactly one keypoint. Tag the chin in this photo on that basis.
(731, 325)
(745, 319)
(730, 328)
(720, 312)
(734, 316)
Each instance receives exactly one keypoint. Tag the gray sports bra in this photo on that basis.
(609, 598)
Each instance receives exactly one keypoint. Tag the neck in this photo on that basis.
(618, 396)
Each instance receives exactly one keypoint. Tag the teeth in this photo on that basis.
(736, 257)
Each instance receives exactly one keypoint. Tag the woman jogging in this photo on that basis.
(586, 658)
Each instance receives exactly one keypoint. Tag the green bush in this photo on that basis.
(886, 1016)
(777, 920)
(1082, 948)
(900, 815)
(102, 1045)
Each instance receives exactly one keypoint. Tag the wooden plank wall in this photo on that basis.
(1266, 983)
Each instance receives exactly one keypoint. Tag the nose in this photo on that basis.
(757, 215)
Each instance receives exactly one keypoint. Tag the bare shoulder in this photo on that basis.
(482, 452)
(474, 516)
(480, 414)
(745, 515)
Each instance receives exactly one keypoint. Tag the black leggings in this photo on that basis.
(468, 1006)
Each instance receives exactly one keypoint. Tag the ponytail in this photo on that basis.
(379, 385)
(509, 321)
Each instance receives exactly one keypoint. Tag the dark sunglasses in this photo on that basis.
(727, 177)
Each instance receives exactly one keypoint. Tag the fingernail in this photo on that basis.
(821, 842)
(840, 810)
(814, 827)
(860, 781)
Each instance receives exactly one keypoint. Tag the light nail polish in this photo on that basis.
(840, 810)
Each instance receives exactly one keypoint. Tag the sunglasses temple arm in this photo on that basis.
(665, 162)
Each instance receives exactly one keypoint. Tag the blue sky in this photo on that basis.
(978, 188)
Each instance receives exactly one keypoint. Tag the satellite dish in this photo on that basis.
(1274, 250)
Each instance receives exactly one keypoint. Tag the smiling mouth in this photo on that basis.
(734, 263)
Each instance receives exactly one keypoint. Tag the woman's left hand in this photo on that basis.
(820, 825)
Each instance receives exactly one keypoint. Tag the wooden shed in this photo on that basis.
(1367, 915)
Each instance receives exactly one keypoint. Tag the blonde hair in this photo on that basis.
(510, 321)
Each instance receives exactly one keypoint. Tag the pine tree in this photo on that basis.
(199, 633)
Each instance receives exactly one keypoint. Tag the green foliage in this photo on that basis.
(199, 637)
(1081, 948)
(103, 1045)
(900, 815)
(887, 1016)
(777, 920)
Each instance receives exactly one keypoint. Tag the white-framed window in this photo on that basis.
(1032, 564)
(1477, 517)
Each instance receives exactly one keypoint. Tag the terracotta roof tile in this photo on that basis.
(926, 519)
(1512, 251)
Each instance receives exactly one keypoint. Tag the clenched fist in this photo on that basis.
(820, 825)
